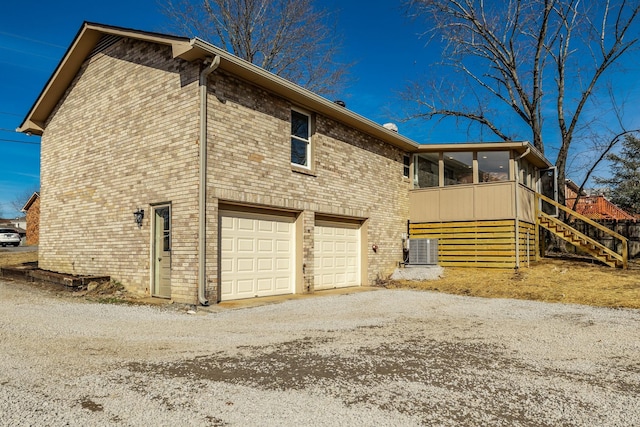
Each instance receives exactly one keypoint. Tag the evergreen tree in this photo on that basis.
(624, 183)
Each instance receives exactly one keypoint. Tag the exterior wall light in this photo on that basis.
(139, 216)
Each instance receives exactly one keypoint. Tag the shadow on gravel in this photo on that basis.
(419, 377)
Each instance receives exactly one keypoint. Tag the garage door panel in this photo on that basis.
(327, 279)
(265, 245)
(337, 254)
(245, 224)
(245, 286)
(327, 262)
(265, 265)
(245, 265)
(283, 246)
(328, 246)
(226, 266)
(283, 283)
(265, 226)
(226, 287)
(226, 244)
(283, 264)
(264, 285)
(226, 223)
(245, 245)
(282, 228)
(257, 255)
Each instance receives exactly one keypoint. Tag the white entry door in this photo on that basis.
(256, 255)
(336, 255)
(161, 252)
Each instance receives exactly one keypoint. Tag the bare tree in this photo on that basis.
(290, 38)
(534, 61)
(21, 198)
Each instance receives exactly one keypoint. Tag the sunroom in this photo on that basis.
(478, 201)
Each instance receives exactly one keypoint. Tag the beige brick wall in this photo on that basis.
(355, 175)
(125, 136)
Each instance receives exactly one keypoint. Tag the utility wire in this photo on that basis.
(10, 114)
(28, 53)
(19, 142)
(31, 40)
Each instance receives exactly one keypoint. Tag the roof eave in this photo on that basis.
(295, 93)
(31, 200)
(191, 50)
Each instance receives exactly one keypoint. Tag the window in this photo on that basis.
(426, 172)
(458, 168)
(493, 166)
(406, 169)
(300, 139)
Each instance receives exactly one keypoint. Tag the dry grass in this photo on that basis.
(551, 280)
(15, 258)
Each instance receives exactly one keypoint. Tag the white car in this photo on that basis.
(9, 236)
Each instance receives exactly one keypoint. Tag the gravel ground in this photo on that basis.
(383, 358)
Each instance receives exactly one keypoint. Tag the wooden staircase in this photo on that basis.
(576, 238)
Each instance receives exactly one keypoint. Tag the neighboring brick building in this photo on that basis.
(32, 212)
(595, 207)
(120, 125)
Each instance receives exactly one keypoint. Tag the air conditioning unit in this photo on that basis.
(423, 251)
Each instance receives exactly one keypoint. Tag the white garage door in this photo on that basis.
(336, 255)
(257, 255)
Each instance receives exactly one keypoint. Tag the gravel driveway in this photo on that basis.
(386, 357)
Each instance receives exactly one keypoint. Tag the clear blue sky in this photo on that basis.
(34, 35)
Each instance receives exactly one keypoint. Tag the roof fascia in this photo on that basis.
(32, 199)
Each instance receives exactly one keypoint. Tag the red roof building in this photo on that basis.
(594, 207)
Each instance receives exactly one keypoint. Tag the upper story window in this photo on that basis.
(300, 139)
(426, 171)
(458, 168)
(406, 166)
(493, 166)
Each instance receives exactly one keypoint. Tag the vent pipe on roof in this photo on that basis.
(340, 103)
(391, 126)
(202, 190)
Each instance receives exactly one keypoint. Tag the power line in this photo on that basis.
(31, 40)
(28, 53)
(10, 114)
(19, 142)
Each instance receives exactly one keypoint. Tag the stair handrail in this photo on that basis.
(581, 236)
(571, 212)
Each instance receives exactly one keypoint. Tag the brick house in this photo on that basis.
(32, 215)
(187, 173)
(121, 121)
